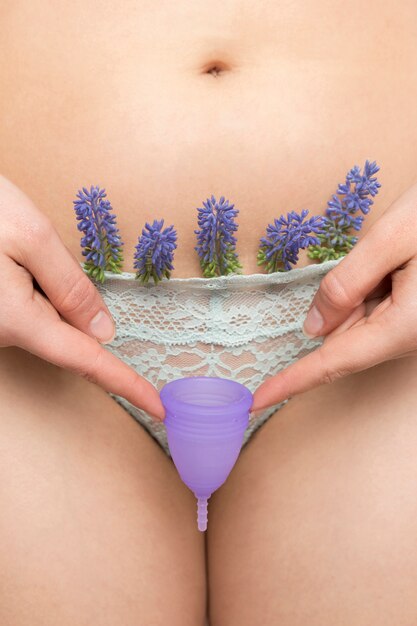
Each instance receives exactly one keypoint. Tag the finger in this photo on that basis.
(382, 288)
(356, 349)
(59, 343)
(359, 315)
(68, 288)
(362, 270)
(356, 317)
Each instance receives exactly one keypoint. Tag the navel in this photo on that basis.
(216, 68)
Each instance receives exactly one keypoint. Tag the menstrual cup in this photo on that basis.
(206, 418)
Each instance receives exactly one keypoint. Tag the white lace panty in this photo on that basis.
(244, 327)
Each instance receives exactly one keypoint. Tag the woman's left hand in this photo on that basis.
(368, 304)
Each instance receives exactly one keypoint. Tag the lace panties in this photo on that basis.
(243, 327)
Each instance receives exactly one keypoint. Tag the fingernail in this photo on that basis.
(313, 323)
(102, 327)
(157, 416)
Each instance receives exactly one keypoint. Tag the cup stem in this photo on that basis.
(202, 513)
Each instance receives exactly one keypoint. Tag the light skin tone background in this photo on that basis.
(163, 104)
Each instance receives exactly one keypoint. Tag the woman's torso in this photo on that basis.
(164, 104)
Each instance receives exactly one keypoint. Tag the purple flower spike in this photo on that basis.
(155, 252)
(101, 243)
(286, 237)
(216, 244)
(353, 196)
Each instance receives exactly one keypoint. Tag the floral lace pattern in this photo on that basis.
(245, 327)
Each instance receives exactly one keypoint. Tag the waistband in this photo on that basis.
(232, 280)
(227, 310)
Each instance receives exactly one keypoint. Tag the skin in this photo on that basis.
(128, 98)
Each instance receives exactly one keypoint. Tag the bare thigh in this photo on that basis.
(96, 528)
(316, 525)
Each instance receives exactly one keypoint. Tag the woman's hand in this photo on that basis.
(368, 304)
(65, 325)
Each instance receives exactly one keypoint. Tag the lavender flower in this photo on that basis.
(216, 244)
(341, 214)
(286, 237)
(155, 252)
(102, 245)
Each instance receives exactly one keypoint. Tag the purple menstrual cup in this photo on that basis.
(206, 418)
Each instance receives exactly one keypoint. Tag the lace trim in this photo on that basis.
(226, 310)
(223, 282)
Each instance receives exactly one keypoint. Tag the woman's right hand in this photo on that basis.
(67, 324)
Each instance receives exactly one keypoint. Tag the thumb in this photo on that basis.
(363, 271)
(356, 349)
(67, 287)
